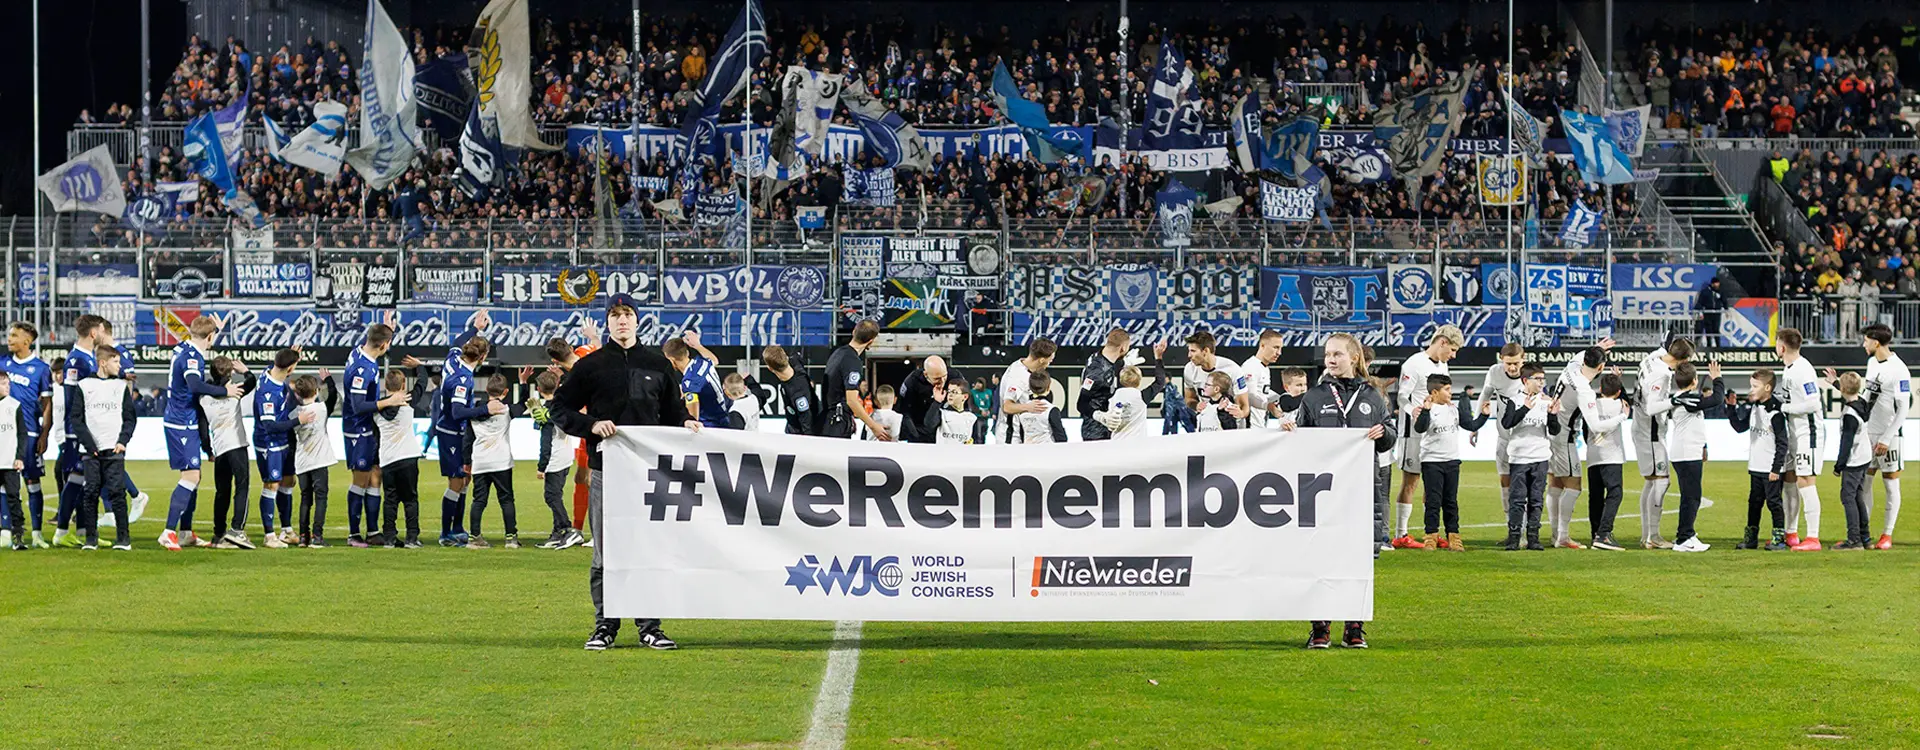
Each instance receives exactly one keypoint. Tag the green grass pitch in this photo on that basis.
(442, 648)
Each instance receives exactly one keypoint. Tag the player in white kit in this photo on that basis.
(1431, 361)
(1503, 382)
(1889, 393)
(1799, 395)
(1652, 399)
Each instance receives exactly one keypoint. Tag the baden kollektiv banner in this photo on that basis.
(1243, 525)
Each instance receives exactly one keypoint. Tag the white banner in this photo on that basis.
(247, 238)
(502, 68)
(89, 182)
(1281, 203)
(322, 145)
(389, 129)
(1213, 526)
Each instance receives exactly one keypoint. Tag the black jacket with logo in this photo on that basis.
(1319, 407)
(626, 386)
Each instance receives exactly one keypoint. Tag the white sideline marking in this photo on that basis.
(828, 730)
(1704, 504)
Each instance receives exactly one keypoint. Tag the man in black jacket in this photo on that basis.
(921, 397)
(624, 383)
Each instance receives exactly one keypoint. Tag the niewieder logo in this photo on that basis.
(1080, 572)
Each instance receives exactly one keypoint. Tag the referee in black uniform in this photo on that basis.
(841, 394)
(623, 383)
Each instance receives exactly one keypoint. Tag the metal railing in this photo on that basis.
(1838, 320)
(1789, 146)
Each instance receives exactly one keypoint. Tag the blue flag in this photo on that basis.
(1031, 118)
(482, 163)
(276, 138)
(728, 70)
(443, 92)
(1598, 156)
(1290, 147)
(1249, 143)
(886, 133)
(1173, 114)
(229, 121)
(1580, 226)
(204, 150)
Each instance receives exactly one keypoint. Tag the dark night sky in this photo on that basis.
(89, 56)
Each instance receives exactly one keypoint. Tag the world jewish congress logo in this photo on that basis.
(858, 576)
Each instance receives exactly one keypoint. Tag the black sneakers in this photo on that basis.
(1354, 637)
(657, 640)
(1321, 637)
(602, 638)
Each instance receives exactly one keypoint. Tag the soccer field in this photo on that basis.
(441, 647)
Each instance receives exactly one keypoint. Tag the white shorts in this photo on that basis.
(1501, 465)
(1890, 462)
(1806, 458)
(1563, 459)
(1410, 454)
(1651, 456)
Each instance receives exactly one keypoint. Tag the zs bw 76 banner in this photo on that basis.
(1208, 526)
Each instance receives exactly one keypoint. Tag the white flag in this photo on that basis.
(89, 182)
(503, 69)
(389, 127)
(1629, 127)
(323, 144)
(819, 94)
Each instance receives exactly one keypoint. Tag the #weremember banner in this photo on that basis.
(1214, 526)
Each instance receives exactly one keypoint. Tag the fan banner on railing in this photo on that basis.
(1750, 322)
(1411, 288)
(1657, 291)
(868, 187)
(267, 328)
(266, 273)
(450, 284)
(915, 282)
(1323, 299)
(180, 279)
(1546, 295)
(739, 287)
(1131, 288)
(537, 286)
(1281, 203)
(1483, 327)
(357, 280)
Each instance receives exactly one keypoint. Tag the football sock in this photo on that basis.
(1893, 502)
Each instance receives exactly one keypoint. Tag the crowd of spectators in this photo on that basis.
(1860, 207)
(1776, 80)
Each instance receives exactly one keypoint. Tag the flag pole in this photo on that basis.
(1512, 79)
(39, 306)
(1126, 111)
(747, 234)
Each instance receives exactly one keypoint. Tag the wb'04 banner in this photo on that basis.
(1221, 526)
(1131, 288)
(915, 283)
(739, 287)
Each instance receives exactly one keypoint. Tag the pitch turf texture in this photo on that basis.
(451, 647)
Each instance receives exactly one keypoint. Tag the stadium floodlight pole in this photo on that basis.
(1606, 92)
(146, 94)
(39, 307)
(1126, 111)
(1507, 84)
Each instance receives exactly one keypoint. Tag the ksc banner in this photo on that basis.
(737, 287)
(571, 286)
(1323, 299)
(1664, 291)
(454, 285)
(1131, 288)
(1219, 526)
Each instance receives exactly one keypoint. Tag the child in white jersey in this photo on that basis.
(15, 446)
(492, 465)
(1438, 422)
(883, 400)
(1686, 441)
(400, 452)
(1854, 460)
(1529, 424)
(313, 453)
(101, 413)
(556, 457)
(1606, 460)
(958, 424)
(1216, 394)
(1039, 426)
(744, 414)
(1769, 447)
(1126, 412)
(223, 430)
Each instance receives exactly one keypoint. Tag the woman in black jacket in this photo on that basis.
(1345, 399)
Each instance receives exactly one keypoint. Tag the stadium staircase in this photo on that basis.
(1694, 191)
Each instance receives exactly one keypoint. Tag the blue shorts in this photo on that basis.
(363, 452)
(453, 456)
(273, 465)
(69, 460)
(35, 465)
(183, 449)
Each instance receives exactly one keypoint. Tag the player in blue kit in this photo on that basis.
(91, 332)
(186, 382)
(30, 382)
(699, 383)
(274, 417)
(458, 404)
(362, 437)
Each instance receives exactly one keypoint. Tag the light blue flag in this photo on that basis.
(1031, 117)
(208, 156)
(1600, 158)
(276, 139)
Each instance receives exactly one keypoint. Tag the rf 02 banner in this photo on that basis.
(1247, 525)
